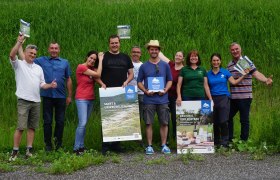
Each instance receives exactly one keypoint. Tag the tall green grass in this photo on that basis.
(206, 25)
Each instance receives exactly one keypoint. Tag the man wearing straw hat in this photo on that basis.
(155, 101)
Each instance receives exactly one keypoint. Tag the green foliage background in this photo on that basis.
(206, 25)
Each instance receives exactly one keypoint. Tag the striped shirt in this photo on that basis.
(243, 89)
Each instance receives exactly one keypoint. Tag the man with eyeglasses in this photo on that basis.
(29, 79)
(155, 102)
(117, 71)
(55, 100)
(135, 57)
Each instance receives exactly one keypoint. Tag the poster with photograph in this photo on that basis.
(194, 127)
(120, 114)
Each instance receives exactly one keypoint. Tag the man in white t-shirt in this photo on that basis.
(135, 57)
(29, 79)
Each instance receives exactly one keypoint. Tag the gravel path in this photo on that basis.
(134, 166)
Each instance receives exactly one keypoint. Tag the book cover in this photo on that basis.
(195, 127)
(120, 117)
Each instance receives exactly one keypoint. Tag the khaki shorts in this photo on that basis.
(28, 114)
(162, 110)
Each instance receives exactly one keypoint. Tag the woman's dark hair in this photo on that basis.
(215, 54)
(188, 59)
(97, 60)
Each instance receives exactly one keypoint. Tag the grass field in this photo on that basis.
(206, 25)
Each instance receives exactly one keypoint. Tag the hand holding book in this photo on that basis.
(244, 65)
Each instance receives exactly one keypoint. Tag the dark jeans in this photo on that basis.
(172, 107)
(49, 105)
(221, 134)
(140, 102)
(243, 106)
(185, 98)
(220, 117)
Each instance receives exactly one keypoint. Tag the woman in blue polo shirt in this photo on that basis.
(217, 80)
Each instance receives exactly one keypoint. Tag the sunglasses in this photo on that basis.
(157, 69)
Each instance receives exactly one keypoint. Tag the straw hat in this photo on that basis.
(153, 43)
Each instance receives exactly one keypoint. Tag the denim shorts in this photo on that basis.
(162, 111)
(28, 114)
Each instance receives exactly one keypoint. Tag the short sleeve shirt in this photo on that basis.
(29, 79)
(85, 84)
(175, 74)
(193, 81)
(218, 82)
(133, 82)
(148, 69)
(115, 69)
(243, 89)
(54, 69)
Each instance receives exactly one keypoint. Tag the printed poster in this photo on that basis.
(120, 114)
(194, 127)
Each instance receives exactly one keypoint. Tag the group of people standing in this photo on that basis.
(50, 77)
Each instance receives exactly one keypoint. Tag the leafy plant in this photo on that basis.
(157, 161)
(186, 158)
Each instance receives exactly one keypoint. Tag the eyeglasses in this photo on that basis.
(136, 52)
(31, 46)
(157, 69)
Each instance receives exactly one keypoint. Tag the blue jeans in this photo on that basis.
(243, 106)
(49, 105)
(84, 108)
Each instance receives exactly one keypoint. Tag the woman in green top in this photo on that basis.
(192, 81)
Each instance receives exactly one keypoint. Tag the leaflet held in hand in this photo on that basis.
(242, 64)
(155, 84)
(124, 31)
(24, 28)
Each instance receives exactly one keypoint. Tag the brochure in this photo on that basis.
(120, 114)
(123, 31)
(195, 127)
(242, 64)
(155, 84)
(24, 28)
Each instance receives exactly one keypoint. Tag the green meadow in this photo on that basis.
(206, 25)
